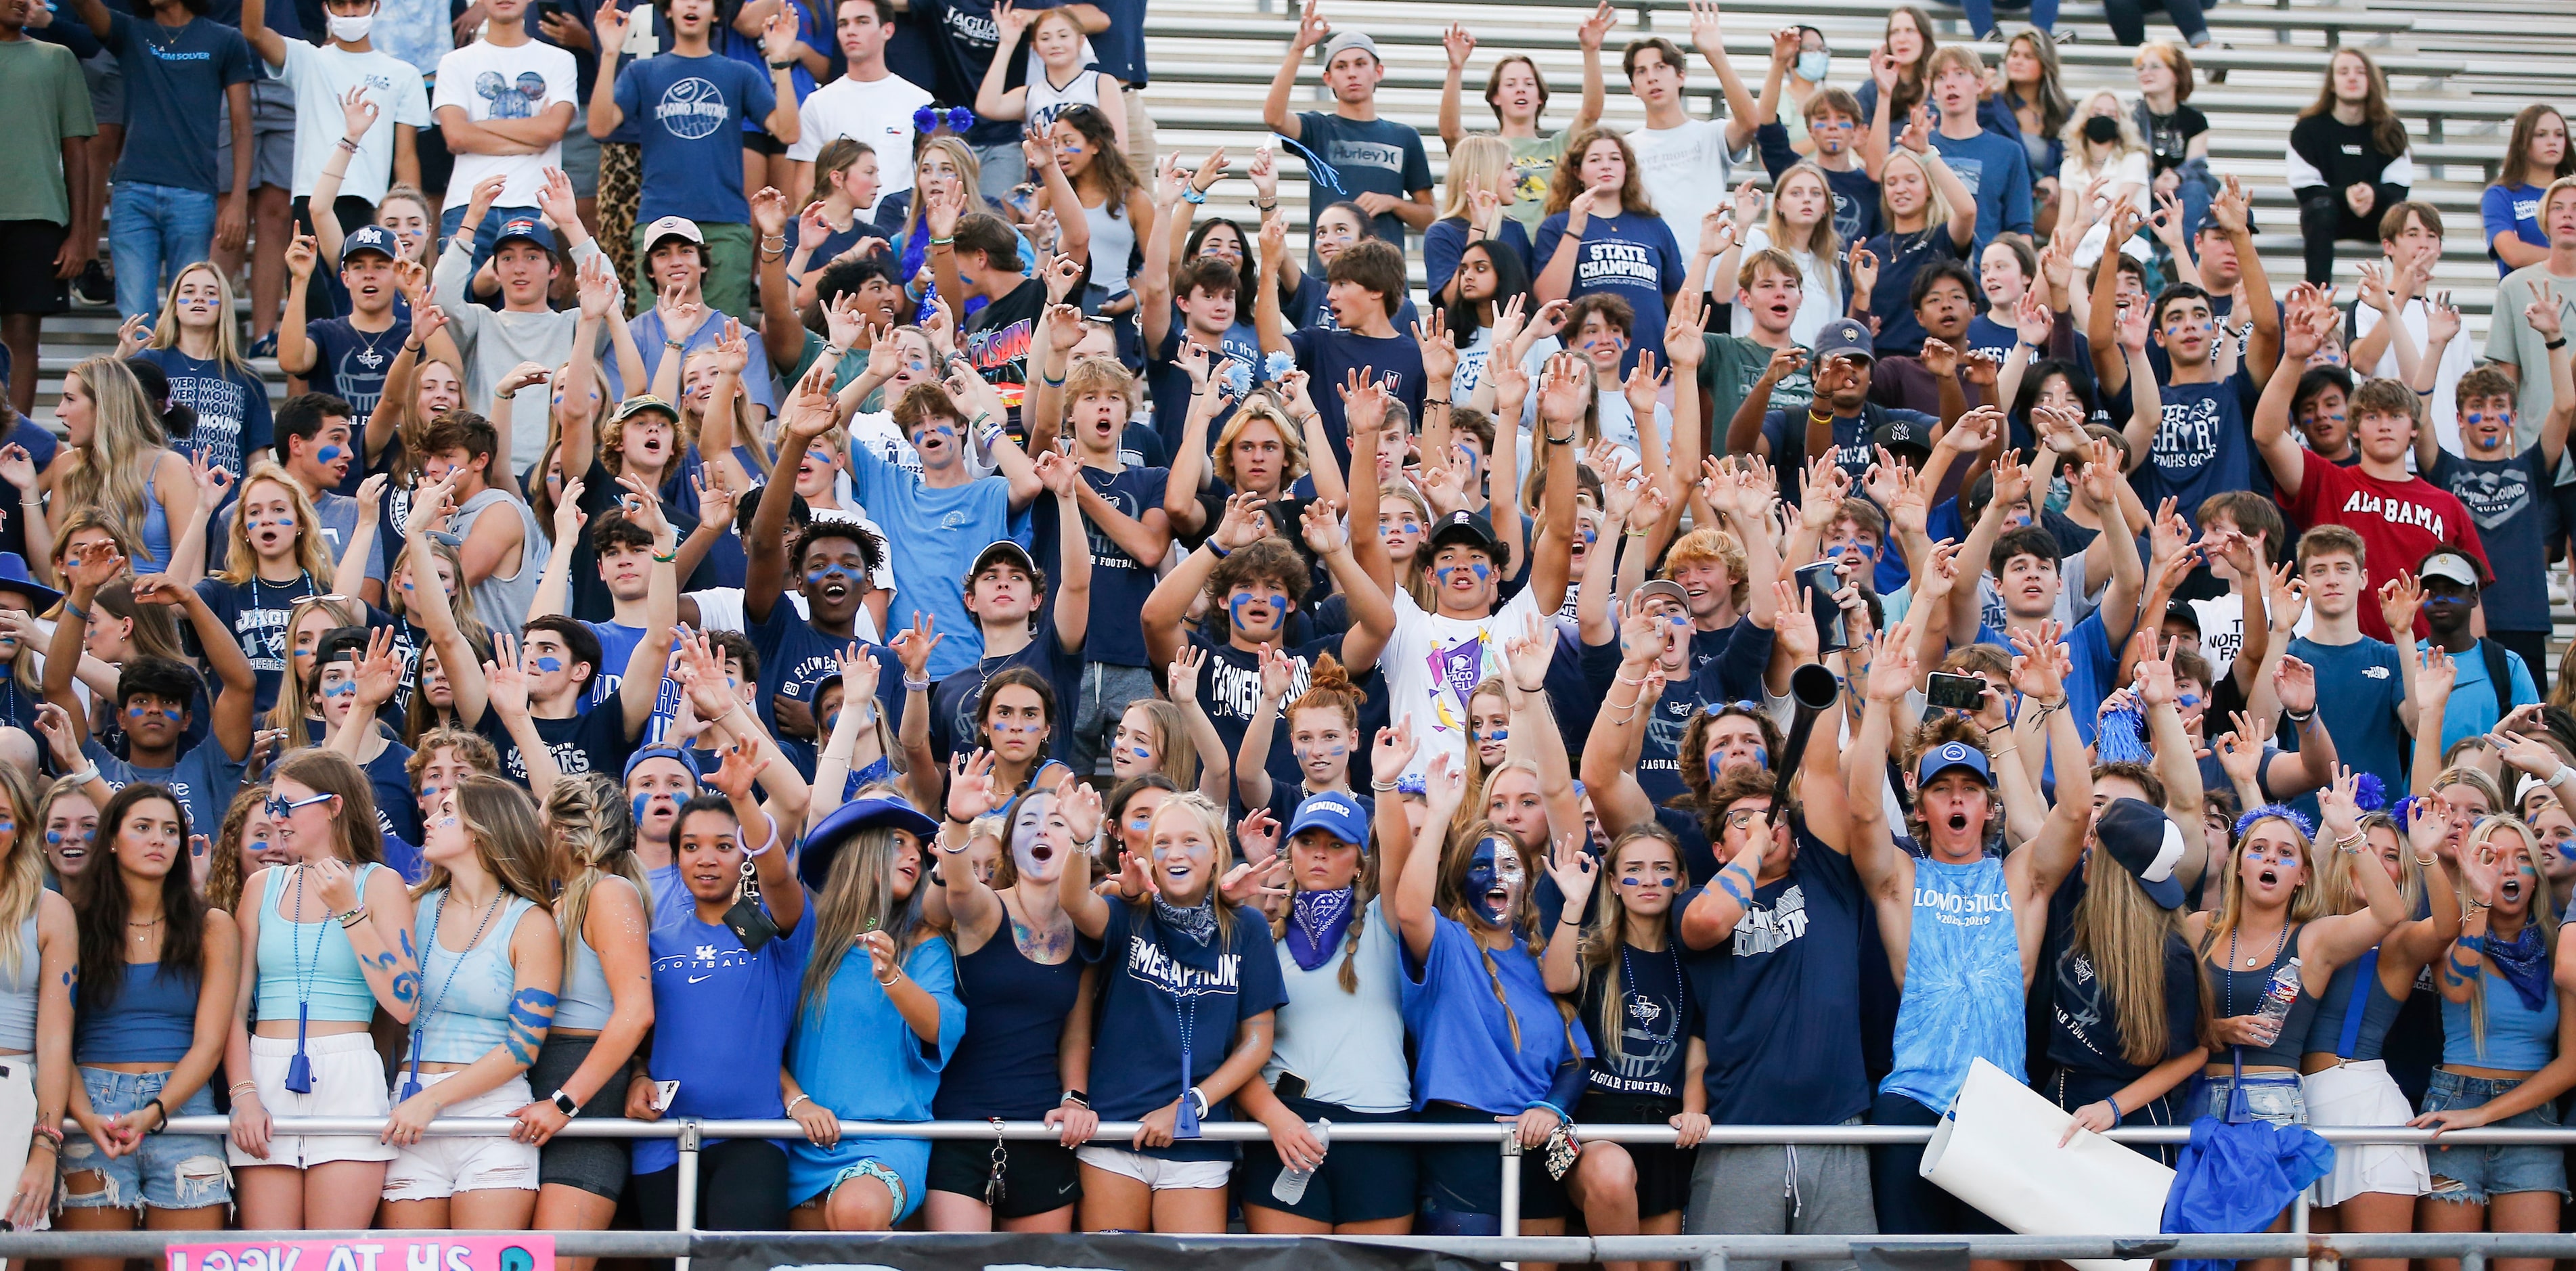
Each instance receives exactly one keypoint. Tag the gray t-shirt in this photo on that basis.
(495, 340)
(502, 601)
(1348, 1046)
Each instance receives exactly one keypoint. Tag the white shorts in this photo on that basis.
(439, 1167)
(2357, 1093)
(18, 1119)
(348, 1081)
(1155, 1172)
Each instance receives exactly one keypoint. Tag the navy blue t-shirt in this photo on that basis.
(1447, 239)
(1152, 993)
(592, 741)
(795, 658)
(350, 364)
(1169, 386)
(256, 613)
(691, 112)
(2203, 445)
(1328, 356)
(1309, 307)
(1900, 258)
(1656, 1019)
(1855, 447)
(2516, 524)
(1380, 156)
(1996, 169)
(1781, 997)
(1119, 582)
(953, 700)
(175, 79)
(1631, 256)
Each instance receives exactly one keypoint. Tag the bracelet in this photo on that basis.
(1194, 196)
(1221, 553)
(1536, 1104)
(790, 1109)
(352, 147)
(789, 64)
(1382, 787)
(75, 610)
(673, 558)
(671, 344)
(235, 1092)
(767, 239)
(353, 917)
(2564, 772)
(2554, 345)
(911, 685)
(1270, 206)
(1540, 689)
(85, 775)
(769, 846)
(2427, 862)
(1051, 381)
(2116, 1113)
(898, 974)
(937, 241)
(50, 1133)
(409, 347)
(1566, 440)
(1570, 920)
(1637, 533)
(2350, 843)
(2296, 717)
(155, 1102)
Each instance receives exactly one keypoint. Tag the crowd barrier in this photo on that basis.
(1706, 1253)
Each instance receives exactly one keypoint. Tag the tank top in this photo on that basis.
(1046, 101)
(499, 599)
(156, 527)
(1113, 240)
(19, 992)
(584, 1002)
(2234, 991)
(152, 1020)
(2349, 1028)
(1963, 989)
(315, 955)
(465, 996)
(1015, 1009)
(2517, 1039)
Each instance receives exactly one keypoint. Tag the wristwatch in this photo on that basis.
(1200, 1097)
(565, 1105)
(1075, 1097)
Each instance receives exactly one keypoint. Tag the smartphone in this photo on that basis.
(1821, 580)
(663, 1093)
(1955, 692)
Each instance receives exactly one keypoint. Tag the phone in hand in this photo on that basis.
(663, 1093)
(1955, 692)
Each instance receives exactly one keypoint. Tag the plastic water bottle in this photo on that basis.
(1291, 1186)
(2279, 996)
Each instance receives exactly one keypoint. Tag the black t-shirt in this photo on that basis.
(996, 338)
(953, 700)
(600, 495)
(2169, 136)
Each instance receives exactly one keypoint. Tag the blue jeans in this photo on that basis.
(1981, 13)
(153, 232)
(454, 215)
(169, 1171)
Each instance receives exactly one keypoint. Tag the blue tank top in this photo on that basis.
(156, 528)
(1015, 1009)
(310, 959)
(19, 992)
(2354, 1029)
(2236, 991)
(584, 1003)
(1963, 986)
(2518, 1039)
(152, 1020)
(465, 996)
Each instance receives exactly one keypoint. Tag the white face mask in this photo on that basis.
(352, 30)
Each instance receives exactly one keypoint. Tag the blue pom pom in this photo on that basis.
(960, 119)
(1277, 366)
(2296, 818)
(2369, 793)
(925, 120)
(2120, 737)
(1237, 378)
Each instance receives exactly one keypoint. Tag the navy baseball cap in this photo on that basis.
(1334, 813)
(370, 238)
(527, 227)
(1470, 528)
(1844, 337)
(1949, 755)
(2146, 843)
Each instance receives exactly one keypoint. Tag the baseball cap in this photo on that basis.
(1470, 528)
(1004, 549)
(1664, 587)
(526, 227)
(672, 227)
(1334, 813)
(2450, 564)
(2147, 843)
(2183, 611)
(678, 753)
(1843, 337)
(370, 238)
(1903, 436)
(642, 402)
(1345, 40)
(1948, 755)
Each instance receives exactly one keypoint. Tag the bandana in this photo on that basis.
(1316, 921)
(1189, 935)
(2524, 960)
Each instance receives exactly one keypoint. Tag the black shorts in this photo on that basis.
(597, 1166)
(1039, 1176)
(763, 143)
(27, 282)
(1467, 1178)
(1663, 1171)
(1359, 1182)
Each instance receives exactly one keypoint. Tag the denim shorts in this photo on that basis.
(2276, 1097)
(170, 1171)
(2474, 1174)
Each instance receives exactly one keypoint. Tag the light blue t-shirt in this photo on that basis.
(2359, 691)
(2471, 710)
(1963, 989)
(853, 1053)
(617, 643)
(942, 532)
(1463, 1051)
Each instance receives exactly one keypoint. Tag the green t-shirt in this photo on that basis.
(1729, 366)
(854, 362)
(2511, 340)
(50, 102)
(1533, 166)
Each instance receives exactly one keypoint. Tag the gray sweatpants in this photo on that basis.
(1782, 1189)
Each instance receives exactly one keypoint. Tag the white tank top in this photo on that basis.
(1046, 100)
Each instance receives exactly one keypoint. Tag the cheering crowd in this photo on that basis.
(1192, 678)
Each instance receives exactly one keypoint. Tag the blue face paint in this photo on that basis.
(547, 665)
(328, 454)
(344, 688)
(1237, 603)
(2187, 700)
(814, 578)
(1495, 735)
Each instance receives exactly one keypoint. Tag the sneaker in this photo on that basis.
(93, 287)
(265, 346)
(2065, 36)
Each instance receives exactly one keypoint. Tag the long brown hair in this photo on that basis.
(2387, 131)
(224, 872)
(1911, 81)
(295, 694)
(2517, 152)
(1567, 181)
(1457, 856)
(100, 904)
(500, 819)
(354, 837)
(1108, 162)
(857, 898)
(2123, 935)
(107, 476)
(1607, 935)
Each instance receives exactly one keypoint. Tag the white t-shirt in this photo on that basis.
(1433, 663)
(2457, 360)
(2222, 630)
(1687, 171)
(878, 112)
(319, 77)
(488, 81)
(1820, 288)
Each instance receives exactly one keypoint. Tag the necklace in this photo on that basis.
(299, 1068)
(428, 942)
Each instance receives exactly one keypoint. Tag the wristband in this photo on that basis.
(1221, 553)
(86, 775)
(790, 1109)
(1194, 196)
(671, 344)
(2300, 719)
(565, 1104)
(937, 241)
(352, 147)
(673, 558)
(2554, 345)
(164, 1121)
(1383, 787)
(1270, 206)
(75, 610)
(1201, 1096)
(1536, 1104)
(789, 64)
(912, 685)
(2564, 772)
(353, 917)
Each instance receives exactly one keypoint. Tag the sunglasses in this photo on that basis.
(278, 808)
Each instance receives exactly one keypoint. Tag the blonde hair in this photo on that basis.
(1606, 936)
(2542, 912)
(1262, 408)
(1821, 242)
(241, 560)
(2123, 934)
(1211, 822)
(165, 329)
(1098, 373)
(1180, 759)
(592, 828)
(1936, 206)
(1481, 161)
(22, 869)
(970, 175)
(500, 819)
(294, 693)
(2306, 905)
(109, 475)
(1709, 545)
